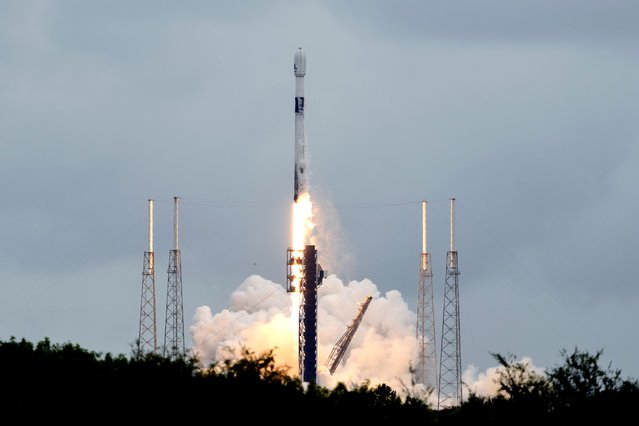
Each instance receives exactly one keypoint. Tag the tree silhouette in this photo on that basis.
(46, 381)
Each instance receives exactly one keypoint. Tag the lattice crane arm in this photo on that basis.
(342, 344)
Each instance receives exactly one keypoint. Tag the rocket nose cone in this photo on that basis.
(299, 63)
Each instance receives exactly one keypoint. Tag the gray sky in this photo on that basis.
(523, 111)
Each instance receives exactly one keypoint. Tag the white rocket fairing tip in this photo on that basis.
(299, 64)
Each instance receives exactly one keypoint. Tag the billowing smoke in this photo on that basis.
(260, 319)
(383, 349)
(487, 383)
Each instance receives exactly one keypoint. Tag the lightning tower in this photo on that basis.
(147, 336)
(174, 325)
(450, 388)
(426, 368)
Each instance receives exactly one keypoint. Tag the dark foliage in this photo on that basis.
(585, 392)
(67, 383)
(579, 391)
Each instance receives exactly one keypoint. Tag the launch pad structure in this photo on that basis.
(311, 278)
(340, 347)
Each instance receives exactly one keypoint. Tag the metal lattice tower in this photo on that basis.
(426, 368)
(450, 386)
(174, 325)
(147, 336)
(342, 344)
(307, 335)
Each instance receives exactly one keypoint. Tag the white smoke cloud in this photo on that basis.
(480, 383)
(260, 318)
(486, 383)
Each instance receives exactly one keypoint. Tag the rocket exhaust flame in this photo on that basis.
(301, 230)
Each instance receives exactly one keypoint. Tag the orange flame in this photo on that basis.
(302, 228)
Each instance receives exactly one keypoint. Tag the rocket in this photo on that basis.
(299, 69)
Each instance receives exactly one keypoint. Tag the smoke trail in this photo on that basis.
(335, 255)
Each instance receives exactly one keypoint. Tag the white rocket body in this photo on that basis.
(301, 181)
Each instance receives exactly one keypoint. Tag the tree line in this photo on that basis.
(47, 381)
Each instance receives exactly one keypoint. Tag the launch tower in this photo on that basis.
(308, 317)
